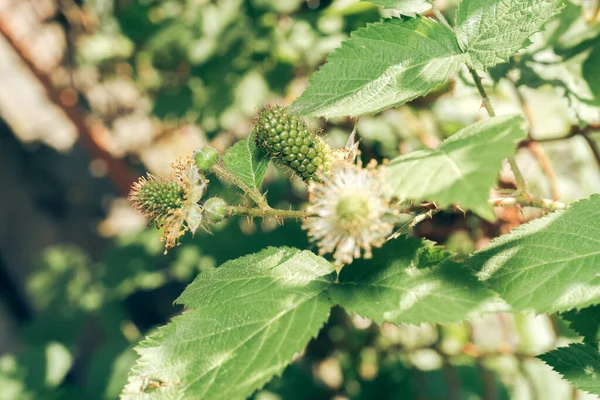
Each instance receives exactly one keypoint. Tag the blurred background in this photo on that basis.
(94, 93)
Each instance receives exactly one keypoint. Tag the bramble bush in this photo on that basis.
(245, 320)
(371, 306)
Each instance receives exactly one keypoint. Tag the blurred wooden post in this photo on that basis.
(117, 172)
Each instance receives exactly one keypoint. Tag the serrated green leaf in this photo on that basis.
(247, 161)
(462, 170)
(585, 322)
(551, 264)
(490, 31)
(246, 321)
(404, 6)
(409, 281)
(578, 363)
(383, 65)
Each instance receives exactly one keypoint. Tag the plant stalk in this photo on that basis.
(262, 213)
(521, 183)
(544, 204)
(254, 194)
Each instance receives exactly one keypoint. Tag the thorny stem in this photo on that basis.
(269, 212)
(487, 103)
(254, 194)
(575, 131)
(584, 132)
(544, 204)
(521, 184)
(422, 217)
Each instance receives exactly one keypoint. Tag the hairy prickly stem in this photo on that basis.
(286, 137)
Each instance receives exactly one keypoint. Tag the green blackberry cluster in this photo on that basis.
(286, 137)
(156, 198)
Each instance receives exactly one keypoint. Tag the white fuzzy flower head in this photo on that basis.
(351, 203)
(172, 204)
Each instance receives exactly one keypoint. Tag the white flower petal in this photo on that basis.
(332, 230)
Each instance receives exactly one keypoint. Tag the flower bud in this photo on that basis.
(206, 158)
(156, 198)
(216, 209)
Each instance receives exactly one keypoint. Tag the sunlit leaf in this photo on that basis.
(462, 169)
(383, 65)
(409, 281)
(490, 31)
(245, 322)
(549, 265)
(247, 161)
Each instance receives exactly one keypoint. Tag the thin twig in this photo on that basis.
(262, 213)
(521, 184)
(452, 379)
(422, 217)
(546, 166)
(254, 194)
(593, 147)
(487, 379)
(574, 131)
(487, 103)
(544, 204)
(537, 150)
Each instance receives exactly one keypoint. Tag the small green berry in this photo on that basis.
(156, 198)
(216, 209)
(287, 137)
(206, 158)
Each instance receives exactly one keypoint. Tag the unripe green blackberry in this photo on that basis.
(156, 198)
(286, 137)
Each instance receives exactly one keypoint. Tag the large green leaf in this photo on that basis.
(409, 281)
(578, 363)
(551, 264)
(245, 322)
(462, 170)
(404, 6)
(247, 161)
(383, 65)
(490, 31)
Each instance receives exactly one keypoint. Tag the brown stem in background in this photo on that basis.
(593, 146)
(537, 150)
(546, 166)
(117, 172)
(452, 378)
(487, 379)
(584, 132)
